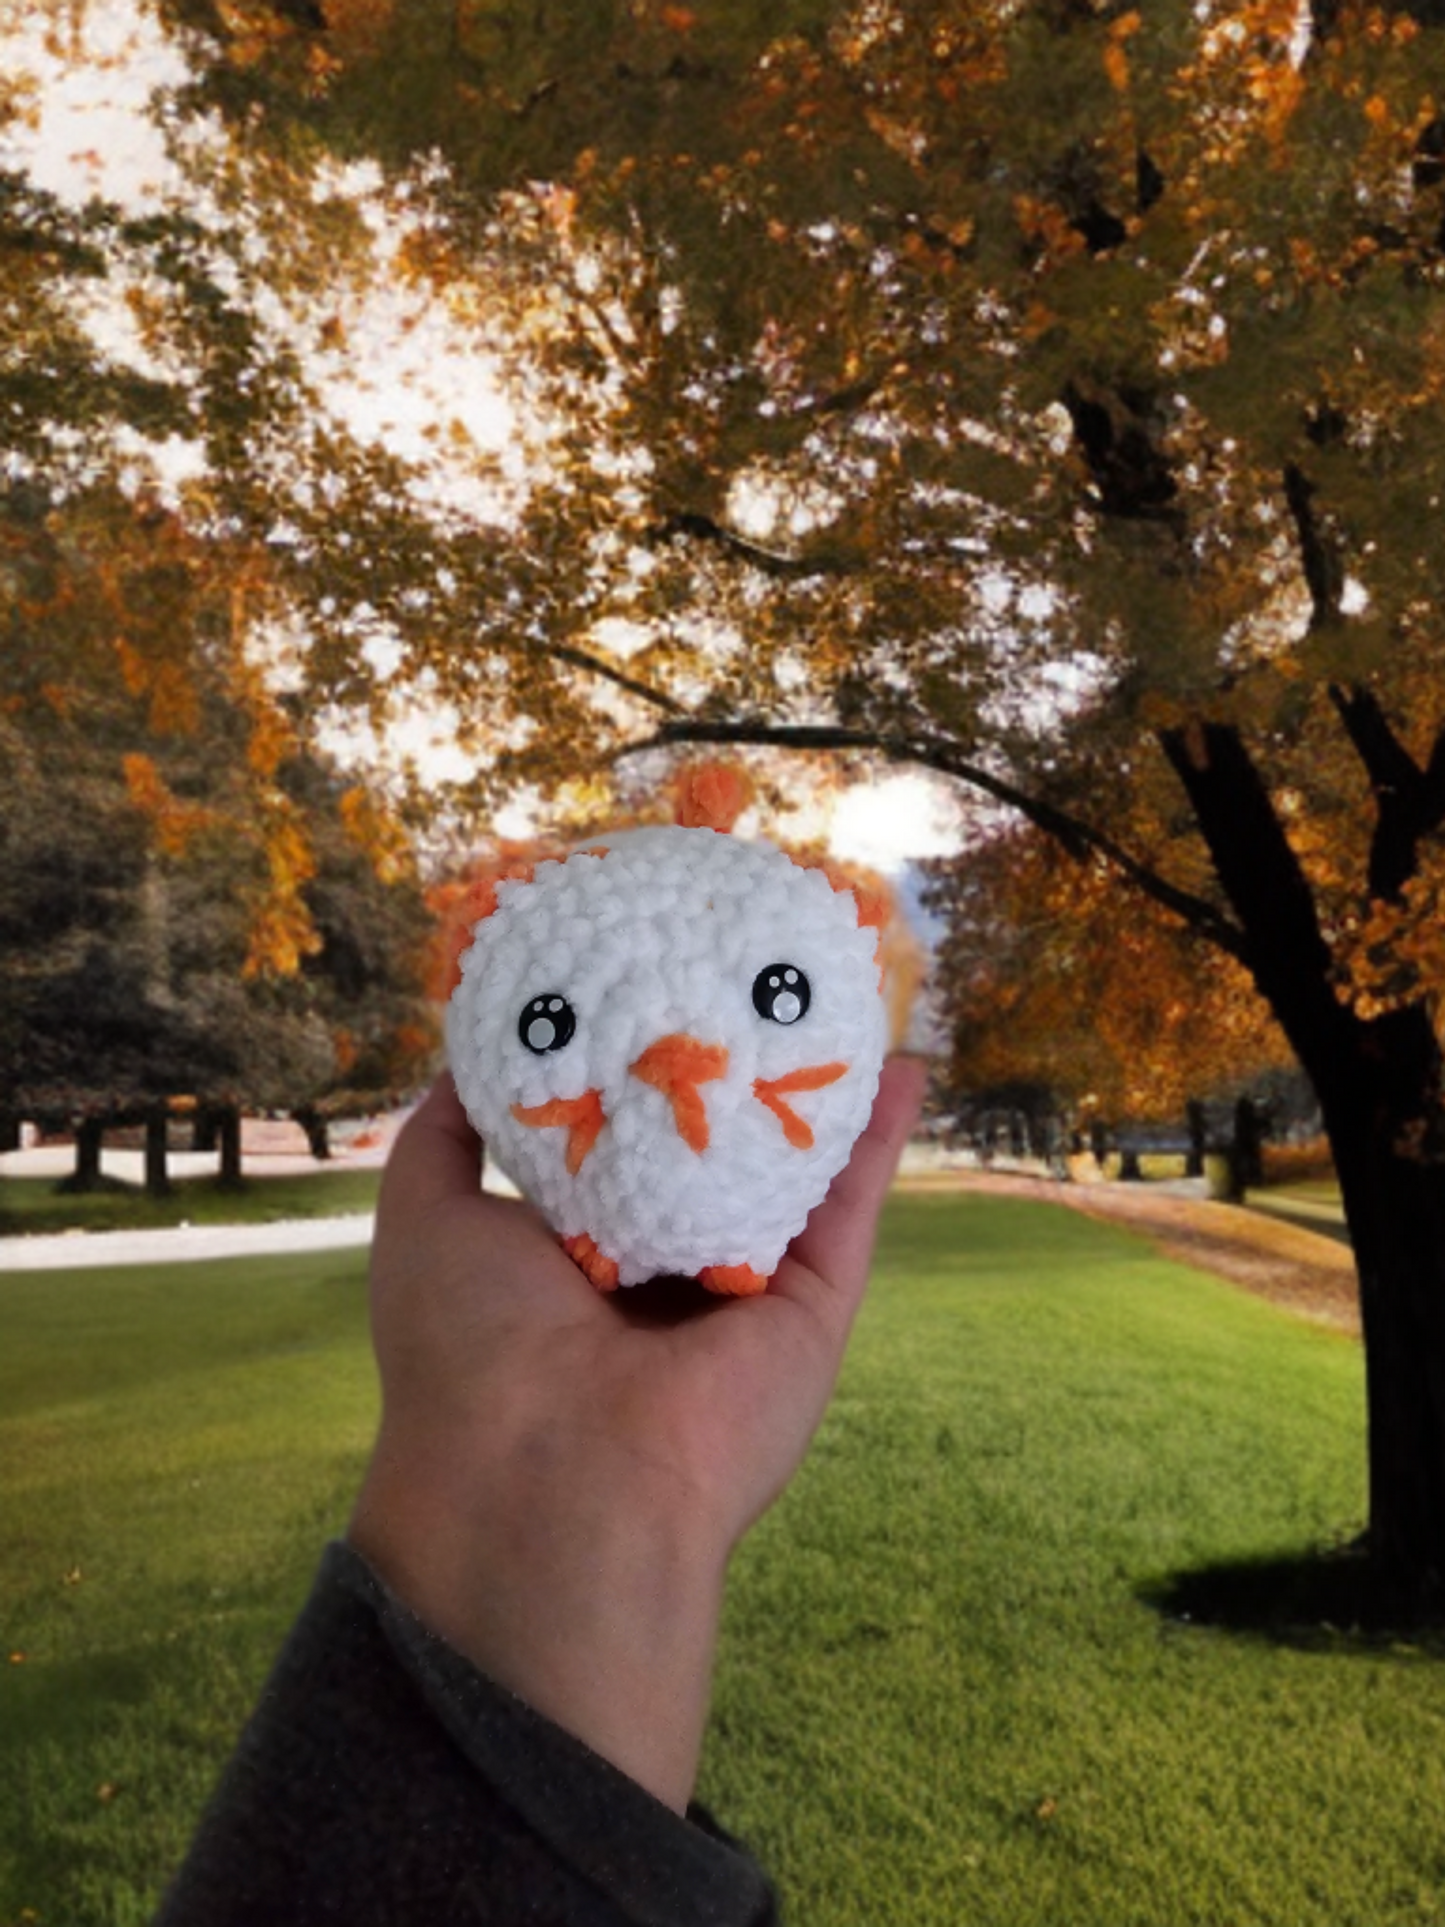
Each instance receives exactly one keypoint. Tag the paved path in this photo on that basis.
(181, 1244)
(58, 1160)
(1295, 1265)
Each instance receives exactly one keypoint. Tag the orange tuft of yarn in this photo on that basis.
(463, 903)
(711, 796)
(598, 1269)
(732, 1281)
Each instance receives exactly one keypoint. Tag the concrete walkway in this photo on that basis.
(181, 1244)
(58, 1160)
(184, 1244)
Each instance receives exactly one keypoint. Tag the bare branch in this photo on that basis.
(1435, 770)
(543, 91)
(1409, 801)
(704, 529)
(302, 13)
(1324, 571)
(1078, 838)
(1261, 874)
(1390, 767)
(595, 666)
(598, 315)
(844, 401)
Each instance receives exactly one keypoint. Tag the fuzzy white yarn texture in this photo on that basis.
(758, 987)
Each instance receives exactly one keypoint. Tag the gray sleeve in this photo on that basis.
(383, 1781)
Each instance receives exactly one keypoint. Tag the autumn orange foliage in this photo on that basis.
(1052, 977)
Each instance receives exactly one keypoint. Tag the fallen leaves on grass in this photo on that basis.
(1299, 1270)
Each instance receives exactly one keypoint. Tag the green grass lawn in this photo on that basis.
(943, 1693)
(174, 1446)
(29, 1205)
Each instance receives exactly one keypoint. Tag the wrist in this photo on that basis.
(596, 1600)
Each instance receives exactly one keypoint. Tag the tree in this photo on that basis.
(367, 979)
(1040, 392)
(1052, 979)
(192, 901)
(93, 1028)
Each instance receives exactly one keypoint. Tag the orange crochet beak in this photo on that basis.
(676, 1065)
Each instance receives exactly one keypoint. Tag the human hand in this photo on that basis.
(560, 1477)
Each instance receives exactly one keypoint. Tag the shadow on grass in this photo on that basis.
(1280, 1213)
(112, 1753)
(1330, 1599)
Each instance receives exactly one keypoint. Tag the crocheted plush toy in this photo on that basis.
(669, 1038)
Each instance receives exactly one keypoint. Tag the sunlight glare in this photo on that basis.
(893, 820)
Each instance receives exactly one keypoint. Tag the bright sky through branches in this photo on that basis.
(386, 356)
(896, 819)
(79, 85)
(391, 363)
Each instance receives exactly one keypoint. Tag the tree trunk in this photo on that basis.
(1194, 1156)
(203, 1128)
(89, 1137)
(1130, 1169)
(157, 1176)
(1245, 1160)
(1251, 1127)
(1387, 1132)
(1379, 1085)
(228, 1134)
(318, 1132)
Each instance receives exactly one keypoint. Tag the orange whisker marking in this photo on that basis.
(772, 1090)
(599, 1270)
(732, 1281)
(582, 1118)
(676, 1065)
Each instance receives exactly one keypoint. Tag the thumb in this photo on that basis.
(827, 1263)
(437, 1155)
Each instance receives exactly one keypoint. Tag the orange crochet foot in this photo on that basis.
(732, 1281)
(584, 1254)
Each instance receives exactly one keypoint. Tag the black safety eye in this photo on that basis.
(781, 993)
(547, 1024)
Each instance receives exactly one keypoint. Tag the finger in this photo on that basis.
(435, 1161)
(436, 1155)
(830, 1256)
(861, 1186)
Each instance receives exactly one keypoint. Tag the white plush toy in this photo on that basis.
(670, 1038)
